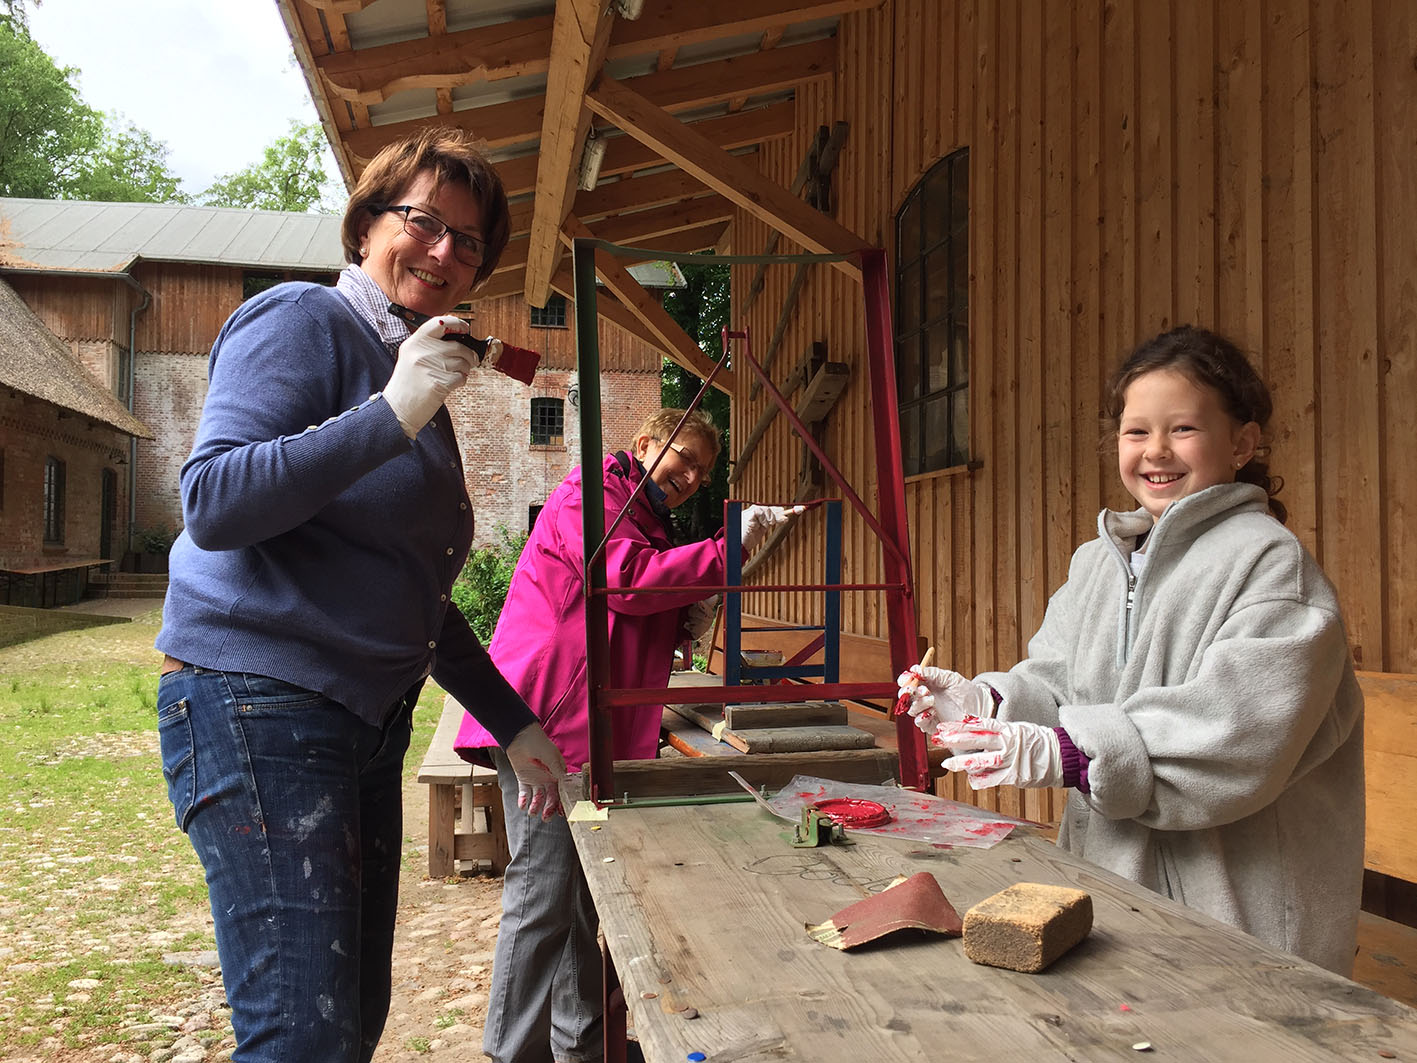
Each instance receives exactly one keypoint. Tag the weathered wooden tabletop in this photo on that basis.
(703, 910)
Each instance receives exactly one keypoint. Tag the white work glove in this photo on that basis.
(699, 617)
(759, 520)
(428, 369)
(1002, 753)
(540, 769)
(939, 696)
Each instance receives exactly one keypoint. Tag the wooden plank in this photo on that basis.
(761, 989)
(709, 775)
(1387, 958)
(1390, 767)
(798, 739)
(725, 173)
(796, 714)
(579, 37)
(755, 286)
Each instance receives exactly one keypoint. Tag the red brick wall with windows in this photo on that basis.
(31, 432)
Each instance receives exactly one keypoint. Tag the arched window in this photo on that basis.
(932, 318)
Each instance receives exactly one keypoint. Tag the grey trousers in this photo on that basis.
(547, 981)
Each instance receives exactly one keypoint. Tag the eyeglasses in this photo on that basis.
(427, 229)
(690, 461)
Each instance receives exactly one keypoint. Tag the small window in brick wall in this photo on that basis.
(553, 315)
(532, 512)
(53, 500)
(548, 422)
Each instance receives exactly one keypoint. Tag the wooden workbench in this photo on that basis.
(703, 911)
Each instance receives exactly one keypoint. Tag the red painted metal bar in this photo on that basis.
(888, 542)
(805, 653)
(745, 695)
(890, 485)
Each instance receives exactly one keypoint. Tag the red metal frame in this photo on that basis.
(890, 528)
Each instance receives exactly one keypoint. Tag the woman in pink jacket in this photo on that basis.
(546, 977)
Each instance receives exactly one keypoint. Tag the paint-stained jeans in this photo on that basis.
(546, 973)
(293, 805)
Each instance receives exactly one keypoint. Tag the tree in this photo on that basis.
(291, 176)
(701, 310)
(128, 166)
(55, 146)
(46, 130)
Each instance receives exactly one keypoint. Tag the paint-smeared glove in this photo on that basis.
(939, 696)
(759, 520)
(699, 617)
(428, 369)
(540, 769)
(1002, 753)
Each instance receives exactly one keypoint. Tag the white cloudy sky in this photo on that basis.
(214, 79)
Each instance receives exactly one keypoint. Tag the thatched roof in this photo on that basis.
(37, 363)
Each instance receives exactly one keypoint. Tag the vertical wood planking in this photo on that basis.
(1155, 126)
(1003, 415)
(1395, 38)
(1348, 382)
(1089, 348)
(1193, 162)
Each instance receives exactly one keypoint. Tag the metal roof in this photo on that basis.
(66, 234)
(110, 237)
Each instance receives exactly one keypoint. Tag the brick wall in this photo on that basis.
(31, 432)
(168, 391)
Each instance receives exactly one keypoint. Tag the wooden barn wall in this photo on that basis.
(78, 308)
(1134, 164)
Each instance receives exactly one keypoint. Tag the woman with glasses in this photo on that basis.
(326, 518)
(545, 1002)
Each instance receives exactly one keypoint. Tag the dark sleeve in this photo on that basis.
(1075, 763)
(465, 670)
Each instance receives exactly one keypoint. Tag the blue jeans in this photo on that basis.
(294, 807)
(546, 999)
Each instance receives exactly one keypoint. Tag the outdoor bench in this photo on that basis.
(477, 831)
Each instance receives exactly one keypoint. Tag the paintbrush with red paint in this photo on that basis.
(515, 362)
(902, 703)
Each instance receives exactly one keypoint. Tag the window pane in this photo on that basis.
(937, 432)
(959, 274)
(937, 358)
(959, 196)
(910, 440)
(937, 284)
(908, 299)
(908, 368)
(909, 231)
(959, 353)
(939, 207)
(959, 428)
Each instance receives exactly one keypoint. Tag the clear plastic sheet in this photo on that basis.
(919, 817)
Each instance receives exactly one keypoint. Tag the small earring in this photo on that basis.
(363, 252)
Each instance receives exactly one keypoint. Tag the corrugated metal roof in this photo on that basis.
(36, 362)
(72, 234)
(109, 237)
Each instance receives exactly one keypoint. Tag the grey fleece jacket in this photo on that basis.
(1221, 715)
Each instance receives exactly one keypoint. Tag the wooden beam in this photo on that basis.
(613, 197)
(740, 182)
(636, 229)
(523, 46)
(579, 37)
(513, 282)
(624, 154)
(340, 7)
(519, 121)
(672, 339)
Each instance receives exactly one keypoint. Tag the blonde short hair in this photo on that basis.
(659, 425)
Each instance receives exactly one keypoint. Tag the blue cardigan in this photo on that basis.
(321, 544)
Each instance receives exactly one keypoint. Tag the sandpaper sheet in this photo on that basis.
(914, 903)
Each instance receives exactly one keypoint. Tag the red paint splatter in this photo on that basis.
(1125, 1007)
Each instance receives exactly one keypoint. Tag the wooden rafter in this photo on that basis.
(579, 37)
(520, 121)
(513, 282)
(735, 179)
(672, 339)
(624, 154)
(505, 49)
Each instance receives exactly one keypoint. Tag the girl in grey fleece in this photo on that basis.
(1192, 680)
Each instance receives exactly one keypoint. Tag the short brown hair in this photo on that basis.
(451, 155)
(658, 426)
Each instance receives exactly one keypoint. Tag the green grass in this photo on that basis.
(96, 881)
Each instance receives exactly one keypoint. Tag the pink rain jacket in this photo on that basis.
(540, 643)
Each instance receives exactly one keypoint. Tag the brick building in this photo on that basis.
(135, 294)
